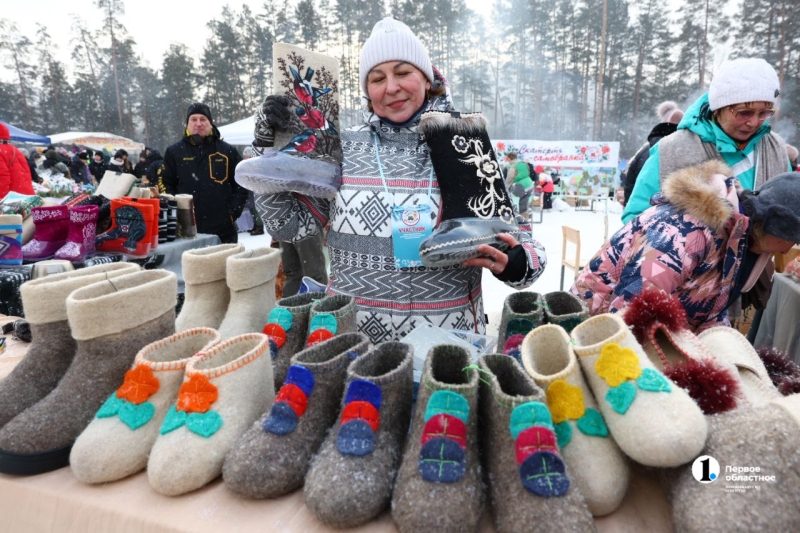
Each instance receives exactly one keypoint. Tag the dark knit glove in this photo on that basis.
(517, 265)
(273, 113)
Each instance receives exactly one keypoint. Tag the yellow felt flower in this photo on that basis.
(565, 401)
(617, 365)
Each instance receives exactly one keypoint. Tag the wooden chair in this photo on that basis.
(573, 236)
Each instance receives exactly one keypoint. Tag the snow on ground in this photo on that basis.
(590, 224)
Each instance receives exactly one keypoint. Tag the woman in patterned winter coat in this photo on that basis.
(399, 81)
(701, 242)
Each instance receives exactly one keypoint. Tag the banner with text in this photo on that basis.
(561, 153)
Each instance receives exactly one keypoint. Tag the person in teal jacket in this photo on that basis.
(727, 123)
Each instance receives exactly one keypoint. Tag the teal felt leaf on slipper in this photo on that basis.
(173, 420)
(563, 433)
(323, 321)
(652, 381)
(135, 416)
(519, 326)
(204, 424)
(592, 423)
(620, 398)
(282, 317)
(110, 407)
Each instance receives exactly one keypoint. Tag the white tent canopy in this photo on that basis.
(239, 132)
(98, 140)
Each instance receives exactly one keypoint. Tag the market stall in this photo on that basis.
(22, 136)
(97, 140)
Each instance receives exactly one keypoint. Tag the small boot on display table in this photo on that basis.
(52, 230)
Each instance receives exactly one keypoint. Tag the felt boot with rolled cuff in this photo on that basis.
(475, 202)
(250, 277)
(351, 478)
(186, 223)
(52, 349)
(287, 327)
(438, 486)
(118, 440)
(224, 391)
(522, 312)
(271, 459)
(207, 292)
(111, 321)
(527, 477)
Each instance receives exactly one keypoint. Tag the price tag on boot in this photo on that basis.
(411, 224)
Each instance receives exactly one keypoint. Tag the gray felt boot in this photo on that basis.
(564, 309)
(111, 321)
(522, 311)
(331, 316)
(350, 480)
(527, 477)
(272, 457)
(287, 327)
(52, 348)
(439, 483)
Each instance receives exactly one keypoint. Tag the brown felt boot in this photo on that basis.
(272, 457)
(528, 480)
(52, 348)
(439, 482)
(564, 309)
(287, 327)
(111, 321)
(350, 480)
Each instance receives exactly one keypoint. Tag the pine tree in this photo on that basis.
(179, 80)
(16, 49)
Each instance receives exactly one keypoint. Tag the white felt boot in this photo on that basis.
(595, 461)
(118, 440)
(207, 293)
(224, 391)
(653, 421)
(251, 280)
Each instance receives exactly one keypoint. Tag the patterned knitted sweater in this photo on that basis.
(390, 301)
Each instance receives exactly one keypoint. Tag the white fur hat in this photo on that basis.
(743, 80)
(391, 40)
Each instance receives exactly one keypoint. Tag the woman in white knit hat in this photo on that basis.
(728, 123)
(385, 164)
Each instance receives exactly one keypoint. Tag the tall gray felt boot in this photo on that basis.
(439, 482)
(251, 280)
(522, 312)
(52, 347)
(287, 328)
(111, 321)
(272, 457)
(350, 480)
(564, 309)
(332, 316)
(527, 478)
(207, 292)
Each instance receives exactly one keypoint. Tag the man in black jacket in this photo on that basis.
(201, 164)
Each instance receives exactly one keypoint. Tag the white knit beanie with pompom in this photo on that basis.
(743, 80)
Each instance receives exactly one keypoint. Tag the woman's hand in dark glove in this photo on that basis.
(273, 114)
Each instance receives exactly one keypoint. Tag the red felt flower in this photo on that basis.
(197, 394)
(361, 410)
(294, 396)
(139, 385)
(317, 336)
(276, 333)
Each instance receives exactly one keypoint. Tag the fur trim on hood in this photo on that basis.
(703, 193)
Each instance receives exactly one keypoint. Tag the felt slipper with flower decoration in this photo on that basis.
(438, 485)
(224, 391)
(652, 420)
(271, 458)
(350, 480)
(597, 465)
(522, 312)
(526, 475)
(287, 328)
(658, 321)
(117, 442)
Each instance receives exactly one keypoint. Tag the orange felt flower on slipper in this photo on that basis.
(565, 401)
(139, 385)
(617, 364)
(197, 394)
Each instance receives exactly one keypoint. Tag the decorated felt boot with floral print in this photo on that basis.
(117, 442)
(287, 327)
(272, 457)
(438, 485)
(331, 316)
(52, 229)
(527, 476)
(652, 420)
(475, 202)
(597, 465)
(82, 232)
(225, 389)
(522, 312)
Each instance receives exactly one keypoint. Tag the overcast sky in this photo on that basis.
(154, 24)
